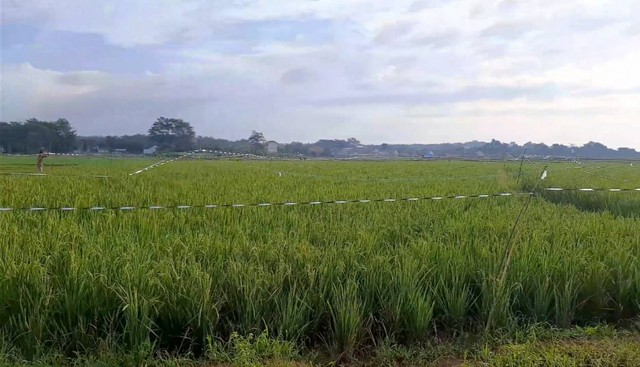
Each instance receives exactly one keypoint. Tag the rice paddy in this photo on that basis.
(337, 277)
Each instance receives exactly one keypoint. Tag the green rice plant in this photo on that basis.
(138, 317)
(455, 299)
(189, 311)
(342, 275)
(403, 298)
(417, 316)
(565, 295)
(625, 290)
(76, 310)
(25, 312)
(347, 318)
(596, 292)
(246, 299)
(293, 314)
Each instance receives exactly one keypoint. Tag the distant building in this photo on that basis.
(120, 151)
(272, 147)
(151, 150)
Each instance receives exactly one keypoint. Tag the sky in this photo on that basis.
(402, 71)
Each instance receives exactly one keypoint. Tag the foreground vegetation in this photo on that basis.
(537, 346)
(344, 280)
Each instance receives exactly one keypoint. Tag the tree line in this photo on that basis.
(172, 134)
(32, 136)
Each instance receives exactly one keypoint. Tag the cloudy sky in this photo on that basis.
(399, 71)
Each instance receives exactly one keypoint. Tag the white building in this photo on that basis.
(151, 150)
(272, 147)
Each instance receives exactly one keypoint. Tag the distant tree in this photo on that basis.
(216, 144)
(111, 142)
(173, 134)
(559, 150)
(296, 148)
(257, 142)
(32, 135)
(353, 141)
(495, 147)
(332, 144)
(316, 150)
(133, 143)
(626, 153)
(64, 136)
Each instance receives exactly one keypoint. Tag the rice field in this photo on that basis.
(335, 276)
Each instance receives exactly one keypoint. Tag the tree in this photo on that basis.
(33, 135)
(64, 136)
(173, 134)
(111, 142)
(257, 142)
(296, 148)
(593, 150)
(353, 142)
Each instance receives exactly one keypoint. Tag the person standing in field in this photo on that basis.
(40, 162)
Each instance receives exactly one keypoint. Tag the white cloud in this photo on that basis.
(406, 70)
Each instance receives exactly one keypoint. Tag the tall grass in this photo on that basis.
(337, 276)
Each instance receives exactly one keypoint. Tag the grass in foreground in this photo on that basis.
(599, 346)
